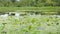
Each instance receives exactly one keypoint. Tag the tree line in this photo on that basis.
(29, 3)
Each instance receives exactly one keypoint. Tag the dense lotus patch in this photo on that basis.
(36, 24)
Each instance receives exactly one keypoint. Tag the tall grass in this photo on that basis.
(7, 9)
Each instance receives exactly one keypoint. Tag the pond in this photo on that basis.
(30, 24)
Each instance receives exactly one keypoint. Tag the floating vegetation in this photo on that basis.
(44, 24)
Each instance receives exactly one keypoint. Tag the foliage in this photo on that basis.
(34, 24)
(29, 3)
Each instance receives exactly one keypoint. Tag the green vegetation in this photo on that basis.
(29, 3)
(34, 24)
(30, 8)
(43, 17)
(47, 10)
